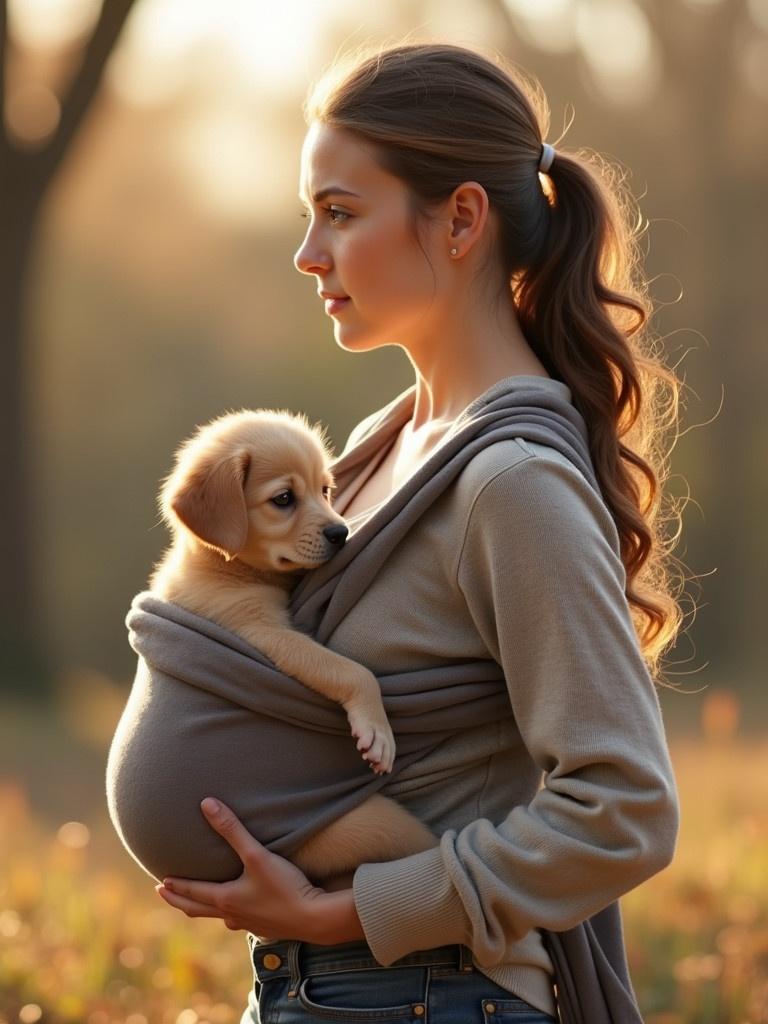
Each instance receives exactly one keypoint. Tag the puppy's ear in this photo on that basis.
(209, 500)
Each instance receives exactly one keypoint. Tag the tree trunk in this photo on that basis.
(22, 661)
(24, 180)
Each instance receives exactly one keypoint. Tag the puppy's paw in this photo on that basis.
(381, 752)
(374, 741)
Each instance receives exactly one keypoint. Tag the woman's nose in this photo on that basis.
(309, 260)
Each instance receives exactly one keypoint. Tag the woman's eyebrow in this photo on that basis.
(332, 190)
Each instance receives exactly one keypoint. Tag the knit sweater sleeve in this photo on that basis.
(544, 584)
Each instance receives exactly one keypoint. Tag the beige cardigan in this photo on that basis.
(517, 561)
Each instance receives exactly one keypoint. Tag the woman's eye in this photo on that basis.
(284, 499)
(332, 212)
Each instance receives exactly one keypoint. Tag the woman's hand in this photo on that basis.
(271, 898)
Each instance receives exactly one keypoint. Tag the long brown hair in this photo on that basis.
(436, 115)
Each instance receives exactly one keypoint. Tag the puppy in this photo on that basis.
(249, 505)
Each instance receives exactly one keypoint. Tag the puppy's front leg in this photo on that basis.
(338, 678)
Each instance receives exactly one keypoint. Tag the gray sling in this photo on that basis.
(209, 713)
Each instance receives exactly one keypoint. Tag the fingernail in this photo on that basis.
(168, 884)
(210, 806)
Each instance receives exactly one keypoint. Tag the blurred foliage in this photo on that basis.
(151, 311)
(697, 933)
(84, 939)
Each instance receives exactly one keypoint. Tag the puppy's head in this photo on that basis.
(256, 485)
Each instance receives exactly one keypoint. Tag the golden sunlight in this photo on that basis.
(50, 24)
(617, 42)
(265, 45)
(224, 67)
(228, 64)
(32, 113)
(549, 25)
(753, 63)
(758, 11)
(614, 38)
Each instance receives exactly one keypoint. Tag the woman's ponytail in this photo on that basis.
(578, 308)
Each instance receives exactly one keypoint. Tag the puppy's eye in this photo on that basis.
(284, 499)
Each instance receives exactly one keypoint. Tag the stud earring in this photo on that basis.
(454, 251)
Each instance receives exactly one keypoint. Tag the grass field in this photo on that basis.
(84, 939)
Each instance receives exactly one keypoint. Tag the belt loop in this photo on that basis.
(465, 959)
(293, 966)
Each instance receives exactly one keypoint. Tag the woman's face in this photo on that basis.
(361, 245)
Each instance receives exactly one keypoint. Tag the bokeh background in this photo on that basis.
(149, 161)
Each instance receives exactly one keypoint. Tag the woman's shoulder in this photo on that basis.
(508, 457)
(515, 482)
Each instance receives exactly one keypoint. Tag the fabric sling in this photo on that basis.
(209, 712)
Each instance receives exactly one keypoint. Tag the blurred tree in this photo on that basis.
(26, 172)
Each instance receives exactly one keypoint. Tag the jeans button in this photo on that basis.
(418, 1009)
(490, 1007)
(271, 961)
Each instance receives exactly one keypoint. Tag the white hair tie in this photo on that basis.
(547, 156)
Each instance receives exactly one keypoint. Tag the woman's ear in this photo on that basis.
(208, 498)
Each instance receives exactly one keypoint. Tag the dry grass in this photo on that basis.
(84, 938)
(697, 933)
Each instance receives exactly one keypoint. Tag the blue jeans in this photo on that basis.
(299, 983)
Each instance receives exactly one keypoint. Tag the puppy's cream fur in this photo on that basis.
(249, 506)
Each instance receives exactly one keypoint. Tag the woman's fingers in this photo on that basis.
(230, 828)
(191, 907)
(271, 896)
(208, 893)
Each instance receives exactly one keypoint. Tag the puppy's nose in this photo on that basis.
(336, 534)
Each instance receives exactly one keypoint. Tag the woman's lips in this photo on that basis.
(333, 306)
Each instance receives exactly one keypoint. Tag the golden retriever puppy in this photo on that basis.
(249, 506)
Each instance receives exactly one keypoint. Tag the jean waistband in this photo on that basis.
(293, 959)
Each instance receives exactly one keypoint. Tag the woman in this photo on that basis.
(440, 222)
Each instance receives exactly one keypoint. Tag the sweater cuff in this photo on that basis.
(408, 904)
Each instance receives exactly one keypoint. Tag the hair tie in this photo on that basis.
(547, 156)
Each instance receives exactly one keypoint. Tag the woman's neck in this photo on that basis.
(471, 356)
